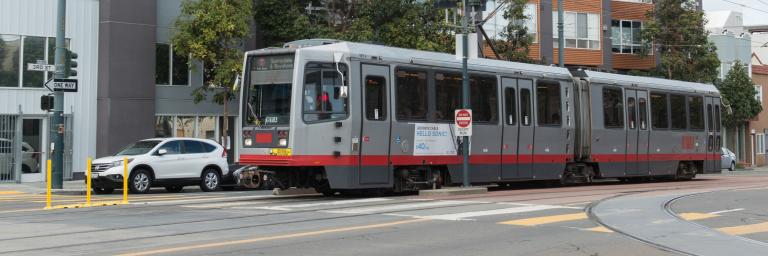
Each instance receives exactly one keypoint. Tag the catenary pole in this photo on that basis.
(560, 36)
(58, 107)
(465, 90)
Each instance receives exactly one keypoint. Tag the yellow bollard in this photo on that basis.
(88, 184)
(125, 180)
(48, 190)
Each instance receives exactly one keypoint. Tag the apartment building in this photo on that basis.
(599, 34)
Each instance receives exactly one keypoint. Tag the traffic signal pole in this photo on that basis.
(465, 91)
(560, 35)
(57, 128)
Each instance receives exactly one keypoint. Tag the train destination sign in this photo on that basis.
(463, 122)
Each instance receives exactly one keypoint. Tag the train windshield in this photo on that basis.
(268, 94)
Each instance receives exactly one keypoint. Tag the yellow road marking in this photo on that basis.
(696, 216)
(745, 229)
(600, 229)
(270, 238)
(10, 192)
(546, 219)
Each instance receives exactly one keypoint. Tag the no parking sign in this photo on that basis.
(462, 122)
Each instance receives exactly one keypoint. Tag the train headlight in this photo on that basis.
(248, 142)
(282, 142)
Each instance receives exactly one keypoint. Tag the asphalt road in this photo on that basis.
(522, 220)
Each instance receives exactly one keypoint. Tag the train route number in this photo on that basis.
(463, 122)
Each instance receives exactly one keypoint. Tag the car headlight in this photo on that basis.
(120, 162)
(282, 142)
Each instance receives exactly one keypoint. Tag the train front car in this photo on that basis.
(295, 120)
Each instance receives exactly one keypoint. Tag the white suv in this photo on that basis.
(170, 162)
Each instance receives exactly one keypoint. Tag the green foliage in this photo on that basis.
(738, 93)
(516, 41)
(677, 31)
(415, 24)
(211, 31)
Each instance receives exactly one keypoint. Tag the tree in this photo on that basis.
(738, 93)
(211, 31)
(516, 41)
(414, 24)
(676, 30)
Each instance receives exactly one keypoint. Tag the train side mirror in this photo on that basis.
(343, 89)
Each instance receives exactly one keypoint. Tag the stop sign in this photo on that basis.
(463, 121)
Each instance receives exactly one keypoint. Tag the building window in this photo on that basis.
(10, 51)
(613, 108)
(202, 127)
(581, 30)
(625, 36)
(170, 68)
(760, 141)
(495, 26)
(759, 93)
(34, 51)
(411, 95)
(548, 105)
(206, 127)
(164, 126)
(185, 126)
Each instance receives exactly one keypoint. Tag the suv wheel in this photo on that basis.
(210, 180)
(102, 191)
(140, 181)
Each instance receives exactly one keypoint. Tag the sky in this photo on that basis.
(750, 15)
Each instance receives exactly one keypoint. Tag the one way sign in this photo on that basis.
(61, 85)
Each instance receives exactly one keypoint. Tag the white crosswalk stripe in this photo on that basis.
(468, 215)
(310, 205)
(397, 207)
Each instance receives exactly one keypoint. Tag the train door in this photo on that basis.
(526, 129)
(718, 140)
(633, 134)
(510, 133)
(643, 133)
(709, 159)
(375, 128)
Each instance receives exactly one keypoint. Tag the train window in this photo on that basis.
(643, 107)
(447, 95)
(717, 118)
(631, 111)
(484, 99)
(525, 107)
(322, 97)
(696, 112)
(613, 108)
(375, 98)
(548, 106)
(677, 108)
(412, 97)
(659, 111)
(710, 118)
(510, 106)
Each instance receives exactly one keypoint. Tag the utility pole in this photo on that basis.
(465, 90)
(560, 34)
(57, 129)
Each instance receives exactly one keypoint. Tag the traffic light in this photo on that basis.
(70, 63)
(46, 102)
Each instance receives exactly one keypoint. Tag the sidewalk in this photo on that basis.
(75, 187)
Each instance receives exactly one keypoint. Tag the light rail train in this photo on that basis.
(351, 116)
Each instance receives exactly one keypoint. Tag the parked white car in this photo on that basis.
(167, 162)
(29, 157)
(727, 159)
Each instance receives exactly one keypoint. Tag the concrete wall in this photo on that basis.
(730, 48)
(38, 18)
(126, 99)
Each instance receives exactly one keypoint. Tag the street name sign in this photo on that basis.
(62, 85)
(40, 67)
(462, 122)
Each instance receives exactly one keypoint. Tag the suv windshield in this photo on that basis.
(269, 104)
(138, 148)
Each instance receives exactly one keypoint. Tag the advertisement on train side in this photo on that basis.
(433, 140)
